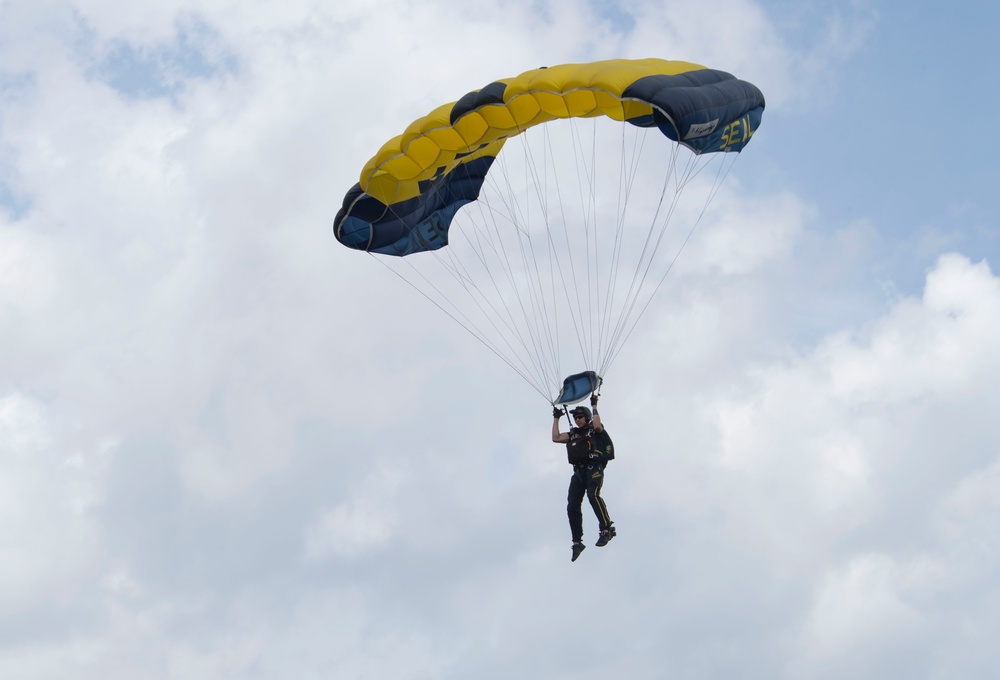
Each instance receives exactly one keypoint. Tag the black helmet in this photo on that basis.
(582, 411)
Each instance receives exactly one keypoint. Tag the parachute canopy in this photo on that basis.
(411, 189)
(558, 194)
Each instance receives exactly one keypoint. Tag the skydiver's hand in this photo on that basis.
(593, 400)
(556, 412)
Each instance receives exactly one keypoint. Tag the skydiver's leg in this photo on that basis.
(574, 506)
(595, 481)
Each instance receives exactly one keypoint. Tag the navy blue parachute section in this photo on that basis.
(704, 110)
(415, 225)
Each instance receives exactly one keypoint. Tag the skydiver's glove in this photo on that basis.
(556, 412)
(593, 400)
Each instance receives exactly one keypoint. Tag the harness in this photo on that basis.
(586, 445)
(580, 445)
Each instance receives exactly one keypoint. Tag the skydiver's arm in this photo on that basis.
(596, 419)
(557, 436)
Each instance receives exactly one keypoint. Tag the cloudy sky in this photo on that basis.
(231, 448)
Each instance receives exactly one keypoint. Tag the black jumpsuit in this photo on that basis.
(588, 478)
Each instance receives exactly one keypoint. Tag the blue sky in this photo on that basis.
(150, 72)
(230, 447)
(899, 136)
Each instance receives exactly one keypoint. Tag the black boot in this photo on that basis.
(606, 536)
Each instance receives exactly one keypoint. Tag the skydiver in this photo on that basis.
(588, 463)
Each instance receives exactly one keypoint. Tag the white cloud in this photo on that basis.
(364, 521)
(857, 469)
(857, 617)
(50, 541)
(744, 234)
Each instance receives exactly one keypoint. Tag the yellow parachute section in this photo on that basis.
(435, 144)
